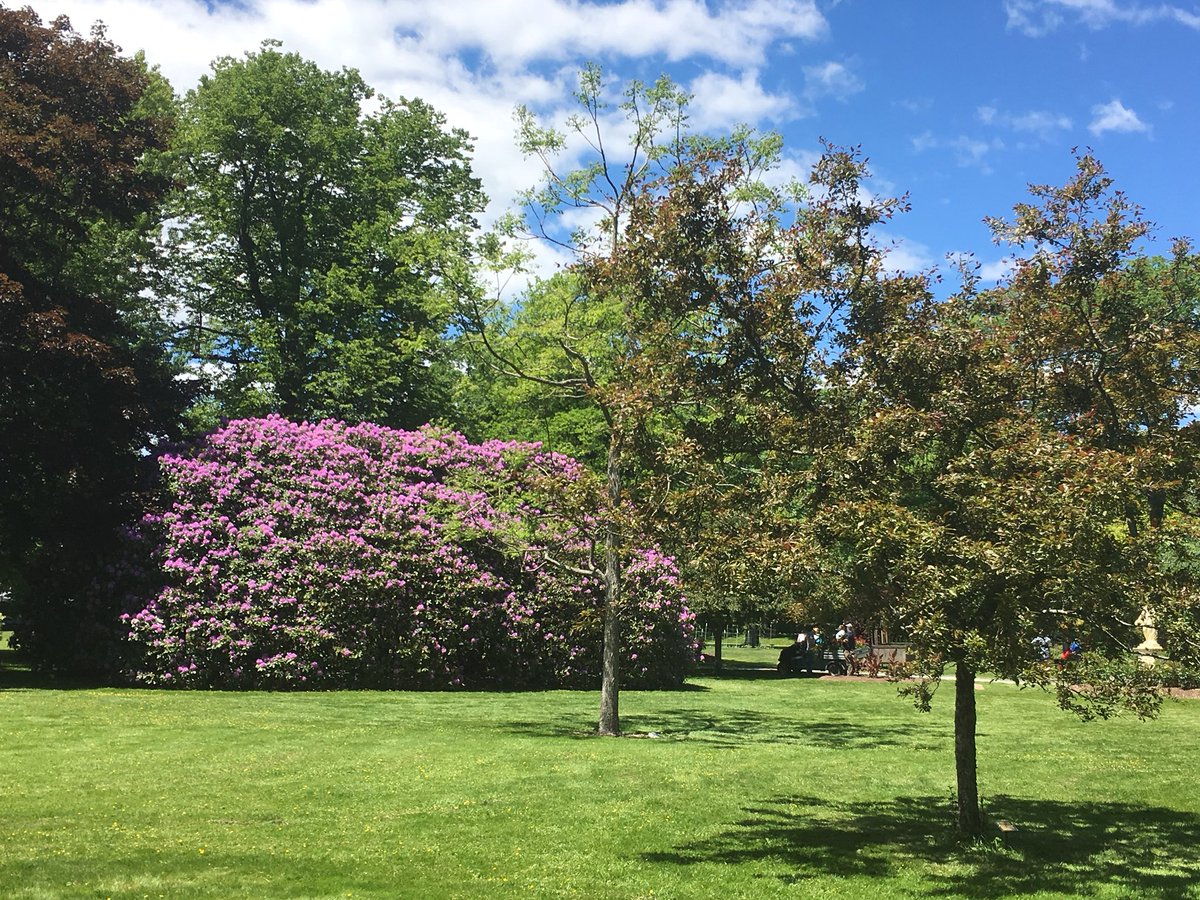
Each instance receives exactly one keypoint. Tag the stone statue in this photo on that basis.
(1149, 649)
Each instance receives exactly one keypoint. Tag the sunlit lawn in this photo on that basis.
(755, 787)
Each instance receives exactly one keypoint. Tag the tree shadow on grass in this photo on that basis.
(748, 728)
(16, 674)
(1066, 847)
(742, 670)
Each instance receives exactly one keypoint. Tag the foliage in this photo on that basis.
(1176, 607)
(84, 385)
(578, 344)
(1005, 446)
(357, 556)
(320, 245)
(727, 302)
(607, 183)
(1175, 675)
(528, 339)
(591, 357)
(956, 470)
(1111, 341)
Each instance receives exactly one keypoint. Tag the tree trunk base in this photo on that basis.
(970, 820)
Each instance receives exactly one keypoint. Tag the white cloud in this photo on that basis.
(794, 168)
(996, 270)
(1039, 122)
(1037, 18)
(972, 152)
(830, 79)
(722, 101)
(914, 105)
(1115, 116)
(925, 141)
(474, 60)
(908, 256)
(968, 152)
(514, 33)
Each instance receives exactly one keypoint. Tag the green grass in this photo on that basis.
(757, 787)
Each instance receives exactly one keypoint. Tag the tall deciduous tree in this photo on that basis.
(1112, 339)
(321, 243)
(935, 481)
(84, 387)
(575, 342)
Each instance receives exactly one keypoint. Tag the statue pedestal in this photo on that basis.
(1148, 652)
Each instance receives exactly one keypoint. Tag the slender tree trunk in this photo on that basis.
(1156, 501)
(718, 636)
(1131, 520)
(610, 721)
(970, 822)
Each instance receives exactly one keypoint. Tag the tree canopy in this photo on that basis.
(321, 245)
(577, 345)
(960, 470)
(84, 385)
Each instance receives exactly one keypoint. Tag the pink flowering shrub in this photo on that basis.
(320, 556)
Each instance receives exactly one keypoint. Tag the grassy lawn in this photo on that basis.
(755, 787)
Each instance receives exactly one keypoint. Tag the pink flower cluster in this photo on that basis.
(327, 555)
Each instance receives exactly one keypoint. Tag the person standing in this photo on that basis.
(1041, 646)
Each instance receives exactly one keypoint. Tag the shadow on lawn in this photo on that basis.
(747, 728)
(1064, 847)
(766, 668)
(16, 674)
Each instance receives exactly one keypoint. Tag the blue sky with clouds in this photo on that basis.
(958, 102)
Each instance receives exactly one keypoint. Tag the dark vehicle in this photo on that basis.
(796, 658)
(792, 659)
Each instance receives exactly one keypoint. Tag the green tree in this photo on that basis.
(320, 246)
(1111, 335)
(504, 405)
(960, 519)
(702, 505)
(733, 548)
(1112, 338)
(85, 389)
(574, 342)
(757, 288)
(933, 485)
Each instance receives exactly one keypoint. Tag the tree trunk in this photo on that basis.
(970, 822)
(610, 721)
(1156, 501)
(289, 377)
(718, 635)
(1131, 520)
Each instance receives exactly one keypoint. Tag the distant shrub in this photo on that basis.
(1177, 675)
(320, 556)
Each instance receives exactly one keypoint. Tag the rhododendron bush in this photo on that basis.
(326, 555)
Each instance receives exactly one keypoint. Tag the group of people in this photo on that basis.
(1071, 649)
(808, 653)
(813, 651)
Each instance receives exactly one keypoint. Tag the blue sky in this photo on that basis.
(960, 103)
